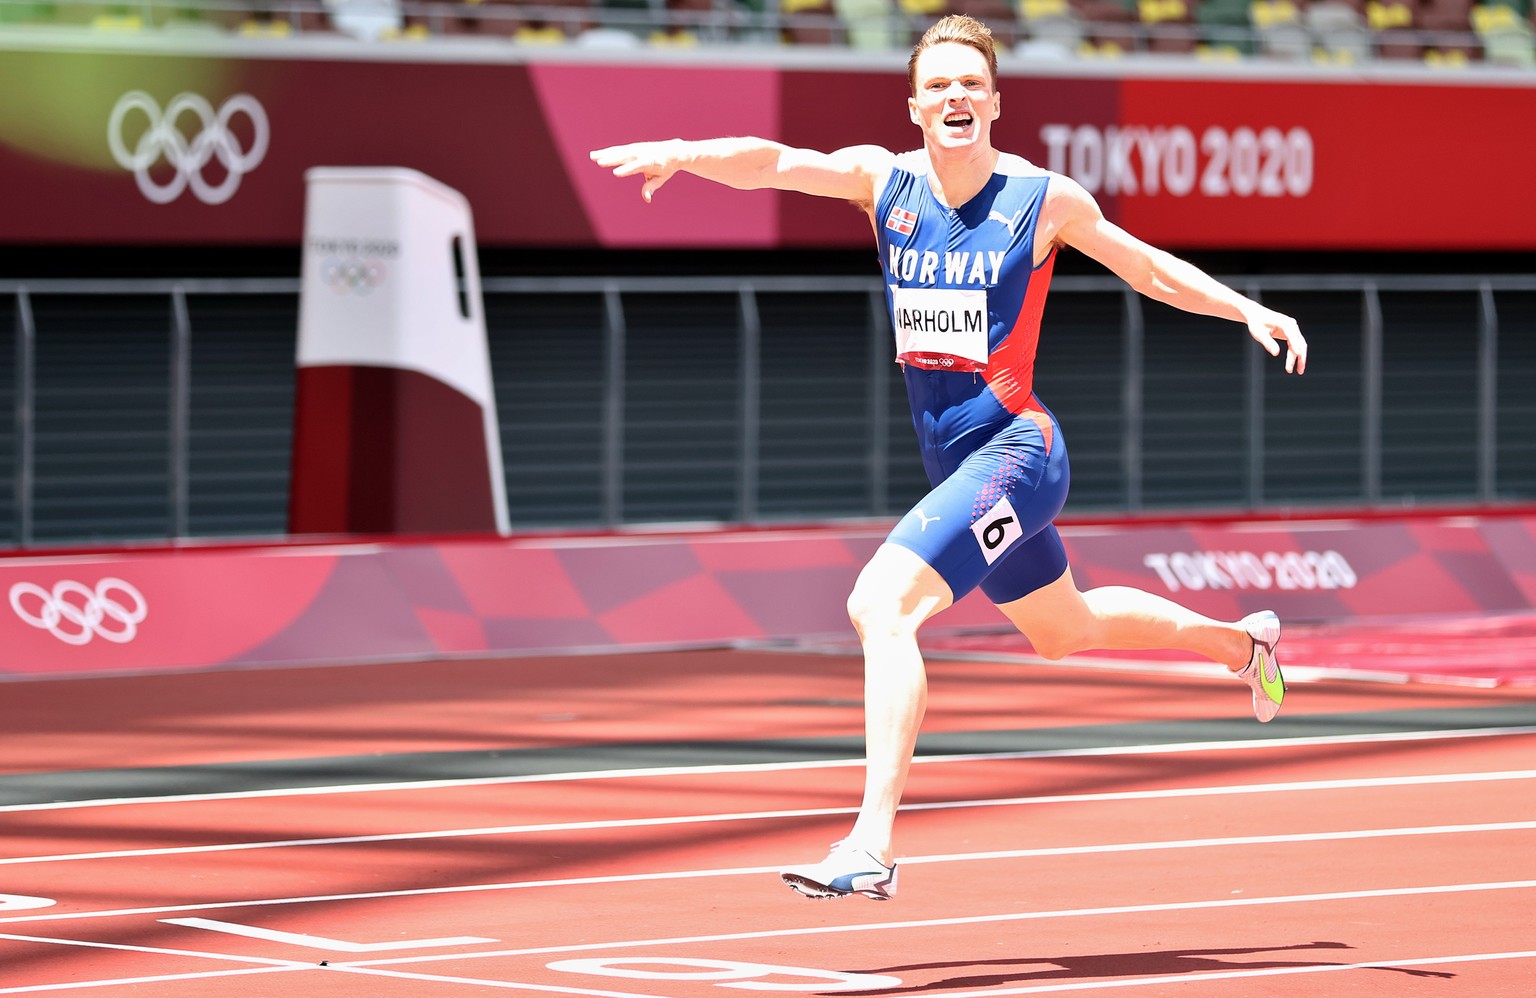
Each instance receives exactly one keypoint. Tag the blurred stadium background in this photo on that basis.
(721, 357)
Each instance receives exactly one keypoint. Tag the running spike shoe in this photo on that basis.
(1262, 673)
(848, 869)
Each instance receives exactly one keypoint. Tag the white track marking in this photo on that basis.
(264, 964)
(404, 893)
(772, 767)
(763, 870)
(572, 826)
(158, 950)
(325, 943)
(929, 923)
(488, 983)
(376, 966)
(159, 979)
(1236, 840)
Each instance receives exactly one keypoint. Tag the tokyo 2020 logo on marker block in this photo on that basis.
(395, 419)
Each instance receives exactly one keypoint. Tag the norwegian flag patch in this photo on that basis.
(901, 220)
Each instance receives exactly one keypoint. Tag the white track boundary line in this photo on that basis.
(265, 962)
(571, 826)
(486, 983)
(774, 767)
(1235, 840)
(1157, 846)
(265, 965)
(930, 923)
(159, 979)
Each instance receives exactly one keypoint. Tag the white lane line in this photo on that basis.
(489, 983)
(763, 870)
(1135, 909)
(160, 979)
(403, 893)
(265, 965)
(157, 950)
(572, 826)
(1200, 978)
(1239, 840)
(774, 767)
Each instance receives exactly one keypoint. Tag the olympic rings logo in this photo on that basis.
(75, 614)
(353, 276)
(163, 139)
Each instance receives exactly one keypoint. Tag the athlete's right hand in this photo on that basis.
(657, 161)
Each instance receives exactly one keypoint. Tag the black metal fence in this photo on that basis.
(158, 409)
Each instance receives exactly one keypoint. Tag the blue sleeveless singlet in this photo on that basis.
(966, 301)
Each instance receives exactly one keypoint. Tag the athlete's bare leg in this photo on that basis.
(895, 593)
(1059, 620)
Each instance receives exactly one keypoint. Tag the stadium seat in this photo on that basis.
(1339, 31)
(1224, 27)
(1280, 29)
(608, 38)
(1169, 25)
(273, 20)
(1394, 25)
(27, 13)
(1448, 24)
(1111, 26)
(690, 21)
(871, 25)
(812, 22)
(1053, 29)
(1505, 34)
(118, 19)
(470, 19)
(999, 15)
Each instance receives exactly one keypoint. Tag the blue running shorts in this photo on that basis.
(989, 522)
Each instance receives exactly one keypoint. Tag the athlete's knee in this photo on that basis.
(877, 613)
(1056, 642)
(895, 592)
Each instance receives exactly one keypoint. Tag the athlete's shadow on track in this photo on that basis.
(1152, 963)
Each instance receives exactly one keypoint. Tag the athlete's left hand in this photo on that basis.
(1268, 327)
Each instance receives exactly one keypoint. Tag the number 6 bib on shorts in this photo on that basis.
(941, 329)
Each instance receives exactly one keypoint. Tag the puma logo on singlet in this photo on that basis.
(925, 518)
(1008, 223)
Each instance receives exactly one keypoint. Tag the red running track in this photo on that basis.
(1376, 861)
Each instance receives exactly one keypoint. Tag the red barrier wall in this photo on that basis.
(1210, 158)
(190, 609)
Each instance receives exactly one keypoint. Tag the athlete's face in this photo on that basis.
(955, 103)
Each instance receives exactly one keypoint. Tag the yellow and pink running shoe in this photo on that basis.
(1262, 672)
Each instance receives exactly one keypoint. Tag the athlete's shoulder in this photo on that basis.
(1010, 165)
(913, 161)
(870, 158)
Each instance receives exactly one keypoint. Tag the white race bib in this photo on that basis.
(940, 328)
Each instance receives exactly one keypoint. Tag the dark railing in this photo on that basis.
(163, 409)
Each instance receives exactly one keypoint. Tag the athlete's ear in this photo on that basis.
(912, 112)
(997, 104)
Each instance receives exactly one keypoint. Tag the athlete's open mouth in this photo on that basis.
(958, 120)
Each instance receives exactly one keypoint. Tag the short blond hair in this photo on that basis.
(961, 29)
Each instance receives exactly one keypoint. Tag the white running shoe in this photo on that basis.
(1262, 673)
(848, 869)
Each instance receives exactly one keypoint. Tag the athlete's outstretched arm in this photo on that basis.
(1158, 274)
(751, 164)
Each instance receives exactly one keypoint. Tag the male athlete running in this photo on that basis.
(967, 237)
